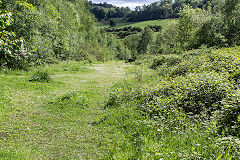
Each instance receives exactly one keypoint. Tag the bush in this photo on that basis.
(112, 22)
(40, 76)
(201, 93)
(169, 60)
(229, 119)
(183, 68)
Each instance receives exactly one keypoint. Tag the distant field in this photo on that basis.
(163, 22)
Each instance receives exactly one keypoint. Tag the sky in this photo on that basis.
(126, 3)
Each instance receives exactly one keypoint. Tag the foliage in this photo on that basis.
(168, 39)
(229, 120)
(13, 54)
(51, 31)
(165, 9)
(126, 31)
(107, 11)
(211, 33)
(132, 42)
(231, 10)
(189, 21)
(169, 60)
(197, 27)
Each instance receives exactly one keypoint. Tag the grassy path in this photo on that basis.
(54, 120)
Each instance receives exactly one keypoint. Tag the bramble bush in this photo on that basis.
(229, 119)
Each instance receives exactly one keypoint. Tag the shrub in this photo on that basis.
(202, 93)
(169, 60)
(229, 119)
(182, 69)
(112, 22)
(40, 76)
(210, 33)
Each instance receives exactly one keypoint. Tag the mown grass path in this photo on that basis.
(54, 120)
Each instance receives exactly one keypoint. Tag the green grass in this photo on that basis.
(163, 22)
(54, 120)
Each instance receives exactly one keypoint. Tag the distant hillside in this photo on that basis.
(164, 9)
(125, 29)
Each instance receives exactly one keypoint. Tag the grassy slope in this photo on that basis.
(40, 120)
(163, 22)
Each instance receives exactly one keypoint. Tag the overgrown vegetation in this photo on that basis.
(186, 108)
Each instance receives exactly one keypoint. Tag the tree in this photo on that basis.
(13, 54)
(131, 42)
(231, 12)
(168, 38)
(189, 22)
(211, 33)
(112, 22)
(100, 13)
(145, 40)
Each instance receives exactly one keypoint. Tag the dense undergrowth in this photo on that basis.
(187, 108)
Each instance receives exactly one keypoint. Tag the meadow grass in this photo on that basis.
(54, 119)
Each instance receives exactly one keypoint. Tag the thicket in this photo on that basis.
(36, 32)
